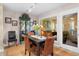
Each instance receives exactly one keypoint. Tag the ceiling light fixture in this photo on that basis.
(30, 9)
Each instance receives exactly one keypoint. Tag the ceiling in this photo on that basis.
(40, 8)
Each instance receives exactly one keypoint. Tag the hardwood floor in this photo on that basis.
(19, 51)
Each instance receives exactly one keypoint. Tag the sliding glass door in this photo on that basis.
(70, 30)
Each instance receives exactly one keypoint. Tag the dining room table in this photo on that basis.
(38, 41)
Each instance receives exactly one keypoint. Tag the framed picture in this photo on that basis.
(8, 20)
(14, 22)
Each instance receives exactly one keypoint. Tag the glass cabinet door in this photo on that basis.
(70, 29)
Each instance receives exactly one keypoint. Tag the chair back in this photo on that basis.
(31, 33)
(27, 42)
(48, 48)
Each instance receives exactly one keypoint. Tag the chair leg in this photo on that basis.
(51, 54)
(29, 54)
(25, 51)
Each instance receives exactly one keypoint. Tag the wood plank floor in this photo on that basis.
(19, 51)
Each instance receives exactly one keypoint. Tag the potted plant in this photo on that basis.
(36, 28)
(45, 23)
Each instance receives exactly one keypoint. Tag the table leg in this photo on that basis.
(38, 49)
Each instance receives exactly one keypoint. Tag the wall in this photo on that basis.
(9, 27)
(64, 10)
(1, 30)
(53, 24)
(58, 10)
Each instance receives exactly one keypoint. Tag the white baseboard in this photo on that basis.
(5, 45)
(70, 48)
(56, 44)
(1, 52)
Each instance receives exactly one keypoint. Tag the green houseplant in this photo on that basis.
(45, 23)
(36, 29)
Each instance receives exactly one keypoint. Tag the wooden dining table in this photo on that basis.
(38, 41)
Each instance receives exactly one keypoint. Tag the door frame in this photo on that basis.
(72, 48)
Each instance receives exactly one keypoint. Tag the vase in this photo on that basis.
(36, 32)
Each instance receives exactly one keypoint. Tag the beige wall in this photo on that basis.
(53, 23)
(1, 28)
(9, 27)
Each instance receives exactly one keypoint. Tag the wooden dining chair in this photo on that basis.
(27, 44)
(28, 47)
(48, 47)
(31, 33)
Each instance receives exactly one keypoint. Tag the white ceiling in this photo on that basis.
(39, 9)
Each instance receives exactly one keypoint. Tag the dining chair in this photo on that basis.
(31, 33)
(27, 44)
(48, 47)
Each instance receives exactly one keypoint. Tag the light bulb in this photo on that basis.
(29, 10)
